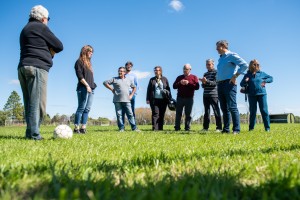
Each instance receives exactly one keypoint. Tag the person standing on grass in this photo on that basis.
(38, 46)
(121, 99)
(229, 67)
(210, 96)
(155, 98)
(85, 88)
(186, 85)
(133, 78)
(256, 80)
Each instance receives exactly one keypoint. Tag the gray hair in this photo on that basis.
(210, 60)
(223, 43)
(39, 12)
(187, 65)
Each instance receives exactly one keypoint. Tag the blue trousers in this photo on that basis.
(124, 106)
(33, 82)
(132, 102)
(263, 107)
(227, 96)
(85, 101)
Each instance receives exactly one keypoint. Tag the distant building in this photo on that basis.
(282, 118)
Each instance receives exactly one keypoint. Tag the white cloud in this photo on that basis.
(141, 75)
(14, 82)
(176, 5)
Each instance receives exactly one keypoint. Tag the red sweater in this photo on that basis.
(186, 91)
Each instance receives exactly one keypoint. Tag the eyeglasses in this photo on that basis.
(48, 19)
(121, 71)
(256, 65)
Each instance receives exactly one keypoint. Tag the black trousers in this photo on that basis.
(214, 103)
(187, 105)
(158, 108)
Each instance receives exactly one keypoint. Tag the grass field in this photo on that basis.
(106, 164)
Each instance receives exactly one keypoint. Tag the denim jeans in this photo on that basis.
(132, 102)
(126, 106)
(227, 96)
(187, 104)
(85, 101)
(33, 82)
(263, 107)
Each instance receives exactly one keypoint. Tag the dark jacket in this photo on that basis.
(36, 39)
(255, 81)
(83, 72)
(151, 88)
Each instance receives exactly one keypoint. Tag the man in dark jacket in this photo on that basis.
(210, 96)
(38, 46)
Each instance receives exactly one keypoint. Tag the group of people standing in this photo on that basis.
(39, 45)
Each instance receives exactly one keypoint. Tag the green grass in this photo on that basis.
(106, 164)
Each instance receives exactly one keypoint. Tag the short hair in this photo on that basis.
(38, 12)
(210, 60)
(223, 43)
(121, 68)
(187, 65)
(128, 63)
(159, 67)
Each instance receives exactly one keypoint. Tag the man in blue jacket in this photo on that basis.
(230, 66)
(38, 46)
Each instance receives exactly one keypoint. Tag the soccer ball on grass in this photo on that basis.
(63, 131)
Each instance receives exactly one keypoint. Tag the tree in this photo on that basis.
(47, 120)
(14, 107)
(3, 117)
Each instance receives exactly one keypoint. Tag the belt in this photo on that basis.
(223, 81)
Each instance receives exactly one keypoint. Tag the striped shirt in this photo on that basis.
(210, 87)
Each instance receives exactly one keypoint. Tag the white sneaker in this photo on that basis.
(121, 130)
(137, 130)
(218, 131)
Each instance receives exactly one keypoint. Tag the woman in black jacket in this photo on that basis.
(157, 87)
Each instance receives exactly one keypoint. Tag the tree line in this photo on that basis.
(14, 110)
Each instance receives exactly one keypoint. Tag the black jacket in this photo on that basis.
(35, 41)
(151, 88)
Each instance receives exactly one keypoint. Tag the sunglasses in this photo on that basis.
(157, 70)
(48, 19)
(256, 65)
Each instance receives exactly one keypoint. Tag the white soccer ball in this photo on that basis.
(63, 131)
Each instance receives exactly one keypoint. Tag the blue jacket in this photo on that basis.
(254, 84)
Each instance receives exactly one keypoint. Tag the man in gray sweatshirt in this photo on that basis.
(122, 98)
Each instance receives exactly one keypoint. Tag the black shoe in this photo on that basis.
(76, 131)
(40, 138)
(225, 131)
(83, 130)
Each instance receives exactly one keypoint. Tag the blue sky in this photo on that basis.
(157, 32)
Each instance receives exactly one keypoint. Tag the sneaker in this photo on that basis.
(76, 131)
(225, 131)
(83, 130)
(218, 131)
(121, 130)
(137, 130)
(204, 130)
(236, 132)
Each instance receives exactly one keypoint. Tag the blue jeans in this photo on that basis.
(85, 101)
(124, 106)
(132, 102)
(227, 97)
(263, 107)
(33, 82)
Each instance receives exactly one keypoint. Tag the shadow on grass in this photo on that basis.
(13, 137)
(186, 186)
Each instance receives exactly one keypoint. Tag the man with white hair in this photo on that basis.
(186, 85)
(38, 46)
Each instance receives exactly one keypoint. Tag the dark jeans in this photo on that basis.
(132, 102)
(33, 82)
(85, 101)
(124, 106)
(187, 104)
(227, 97)
(214, 103)
(158, 108)
(263, 107)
